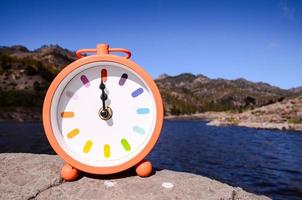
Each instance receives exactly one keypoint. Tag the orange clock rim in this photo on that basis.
(47, 120)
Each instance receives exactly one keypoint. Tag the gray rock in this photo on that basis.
(33, 176)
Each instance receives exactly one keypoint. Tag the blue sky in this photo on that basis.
(260, 40)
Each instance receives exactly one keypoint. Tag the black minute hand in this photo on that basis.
(104, 96)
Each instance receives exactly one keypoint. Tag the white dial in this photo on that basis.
(80, 130)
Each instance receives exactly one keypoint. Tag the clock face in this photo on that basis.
(78, 126)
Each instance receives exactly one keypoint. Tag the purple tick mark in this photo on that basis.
(123, 79)
(85, 81)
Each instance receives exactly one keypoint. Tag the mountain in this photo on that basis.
(25, 76)
(187, 93)
(26, 70)
(52, 55)
(297, 90)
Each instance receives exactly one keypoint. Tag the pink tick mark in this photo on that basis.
(71, 95)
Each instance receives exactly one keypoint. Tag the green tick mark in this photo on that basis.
(125, 144)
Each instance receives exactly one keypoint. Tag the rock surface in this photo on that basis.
(33, 176)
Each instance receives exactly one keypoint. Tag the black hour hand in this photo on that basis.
(105, 113)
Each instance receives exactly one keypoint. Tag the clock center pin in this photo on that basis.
(105, 114)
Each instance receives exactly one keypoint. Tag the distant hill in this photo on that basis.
(21, 69)
(187, 93)
(296, 90)
(53, 55)
(25, 76)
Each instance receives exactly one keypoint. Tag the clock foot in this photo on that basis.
(144, 168)
(69, 173)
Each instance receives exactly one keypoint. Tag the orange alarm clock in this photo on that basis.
(103, 114)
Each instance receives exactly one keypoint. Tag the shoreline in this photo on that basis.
(233, 119)
(246, 119)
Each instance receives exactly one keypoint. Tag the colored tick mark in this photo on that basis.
(104, 75)
(71, 95)
(85, 81)
(125, 144)
(107, 150)
(87, 146)
(123, 79)
(143, 111)
(138, 130)
(67, 114)
(137, 92)
(73, 133)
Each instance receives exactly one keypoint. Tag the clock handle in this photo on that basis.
(120, 50)
(103, 49)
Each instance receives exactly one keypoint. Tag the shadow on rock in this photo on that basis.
(124, 174)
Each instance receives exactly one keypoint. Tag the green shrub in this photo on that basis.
(233, 120)
(295, 120)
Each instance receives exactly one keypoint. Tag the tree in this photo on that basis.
(250, 101)
(174, 110)
(5, 64)
(37, 86)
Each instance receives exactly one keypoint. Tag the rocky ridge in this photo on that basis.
(285, 115)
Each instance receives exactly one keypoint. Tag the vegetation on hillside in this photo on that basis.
(31, 66)
(21, 98)
(10, 73)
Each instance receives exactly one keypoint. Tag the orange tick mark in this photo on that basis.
(67, 114)
(73, 133)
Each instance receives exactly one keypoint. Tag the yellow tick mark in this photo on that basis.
(107, 150)
(67, 114)
(87, 146)
(73, 133)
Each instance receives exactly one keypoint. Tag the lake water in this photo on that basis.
(260, 161)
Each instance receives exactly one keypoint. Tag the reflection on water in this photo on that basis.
(260, 161)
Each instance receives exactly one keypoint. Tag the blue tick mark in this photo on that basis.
(143, 111)
(138, 130)
(137, 92)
